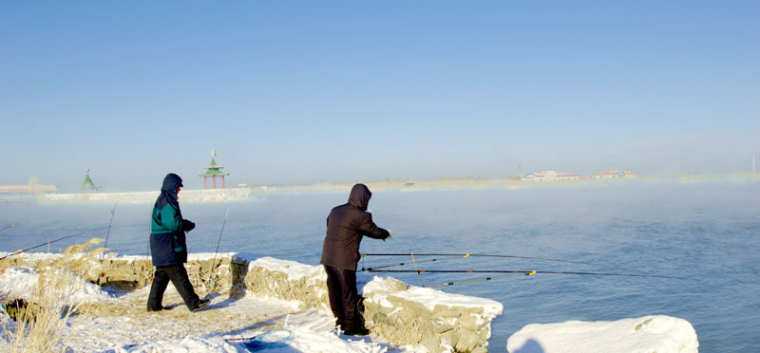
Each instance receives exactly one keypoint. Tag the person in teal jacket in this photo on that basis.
(168, 248)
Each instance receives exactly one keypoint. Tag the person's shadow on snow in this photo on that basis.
(221, 304)
(530, 346)
(367, 339)
(259, 346)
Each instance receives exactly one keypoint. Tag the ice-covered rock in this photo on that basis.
(441, 322)
(649, 334)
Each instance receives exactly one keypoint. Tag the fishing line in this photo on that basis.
(422, 280)
(48, 242)
(478, 255)
(108, 232)
(11, 226)
(20, 251)
(147, 254)
(527, 272)
(453, 283)
(212, 275)
(147, 245)
(409, 263)
(219, 240)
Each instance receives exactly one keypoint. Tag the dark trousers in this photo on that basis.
(341, 287)
(178, 275)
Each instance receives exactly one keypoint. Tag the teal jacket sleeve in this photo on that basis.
(169, 218)
(165, 220)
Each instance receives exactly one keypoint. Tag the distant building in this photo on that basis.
(87, 184)
(551, 175)
(614, 174)
(214, 170)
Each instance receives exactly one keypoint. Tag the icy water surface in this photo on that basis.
(709, 233)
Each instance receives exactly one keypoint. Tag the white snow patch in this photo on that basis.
(309, 331)
(378, 289)
(312, 331)
(185, 345)
(203, 256)
(37, 256)
(649, 334)
(295, 270)
(20, 282)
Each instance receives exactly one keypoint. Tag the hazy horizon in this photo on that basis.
(355, 91)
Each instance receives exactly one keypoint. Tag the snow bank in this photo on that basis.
(431, 298)
(208, 272)
(295, 270)
(649, 334)
(21, 282)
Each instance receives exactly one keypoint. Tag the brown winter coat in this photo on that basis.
(346, 225)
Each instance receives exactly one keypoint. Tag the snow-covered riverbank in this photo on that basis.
(283, 308)
(401, 317)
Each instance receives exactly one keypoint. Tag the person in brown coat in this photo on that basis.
(346, 225)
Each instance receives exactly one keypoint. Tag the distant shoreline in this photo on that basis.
(48, 193)
(472, 183)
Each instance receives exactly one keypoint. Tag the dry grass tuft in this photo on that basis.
(39, 325)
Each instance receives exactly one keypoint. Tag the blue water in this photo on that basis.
(709, 233)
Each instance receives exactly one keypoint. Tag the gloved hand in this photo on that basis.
(187, 225)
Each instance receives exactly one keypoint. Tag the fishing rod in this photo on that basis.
(408, 263)
(108, 232)
(11, 226)
(465, 255)
(529, 272)
(40, 245)
(218, 242)
(148, 254)
(414, 262)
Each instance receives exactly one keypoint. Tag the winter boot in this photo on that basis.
(202, 304)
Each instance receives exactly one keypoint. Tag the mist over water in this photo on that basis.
(705, 232)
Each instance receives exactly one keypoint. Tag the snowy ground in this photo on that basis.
(118, 322)
(109, 321)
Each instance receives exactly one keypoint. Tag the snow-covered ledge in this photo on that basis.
(208, 272)
(649, 334)
(442, 322)
(401, 314)
(398, 313)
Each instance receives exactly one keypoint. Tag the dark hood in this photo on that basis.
(169, 191)
(360, 196)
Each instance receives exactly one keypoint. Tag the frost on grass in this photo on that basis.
(51, 295)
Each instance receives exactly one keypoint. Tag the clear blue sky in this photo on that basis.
(341, 91)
